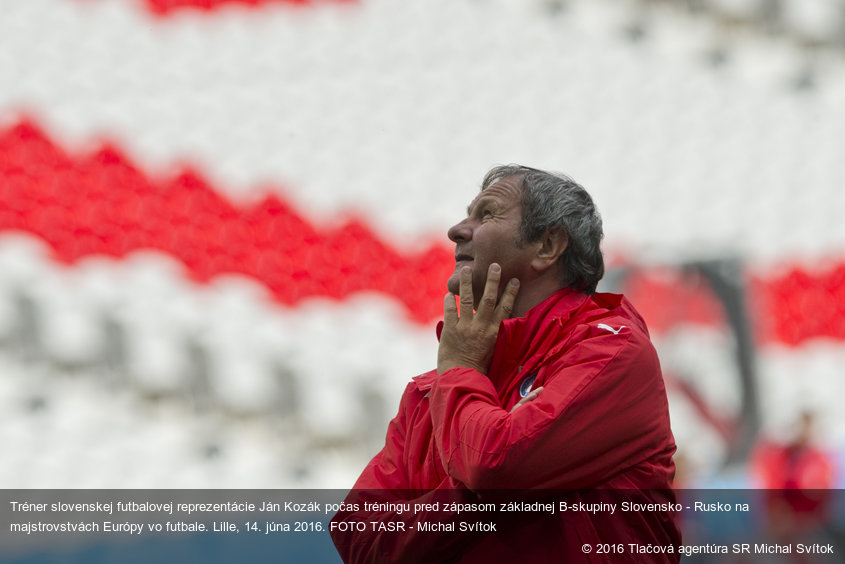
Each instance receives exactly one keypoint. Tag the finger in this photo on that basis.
(530, 396)
(505, 308)
(467, 302)
(450, 309)
(487, 304)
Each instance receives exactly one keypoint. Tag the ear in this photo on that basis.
(550, 246)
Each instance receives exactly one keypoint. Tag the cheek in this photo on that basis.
(514, 264)
(479, 279)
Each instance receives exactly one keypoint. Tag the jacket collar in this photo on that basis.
(523, 342)
(524, 339)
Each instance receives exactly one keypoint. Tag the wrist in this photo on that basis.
(443, 366)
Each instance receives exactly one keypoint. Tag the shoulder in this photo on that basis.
(606, 328)
(608, 359)
(611, 318)
(612, 312)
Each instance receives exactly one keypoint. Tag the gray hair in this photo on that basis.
(554, 200)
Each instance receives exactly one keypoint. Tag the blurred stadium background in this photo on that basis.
(222, 222)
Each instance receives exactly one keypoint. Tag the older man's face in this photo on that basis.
(489, 234)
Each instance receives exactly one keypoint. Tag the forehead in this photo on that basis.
(506, 192)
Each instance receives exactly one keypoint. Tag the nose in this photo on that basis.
(460, 232)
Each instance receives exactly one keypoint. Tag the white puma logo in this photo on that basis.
(609, 328)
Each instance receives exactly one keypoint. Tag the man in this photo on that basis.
(542, 386)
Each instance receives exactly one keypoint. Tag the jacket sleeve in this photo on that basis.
(603, 409)
(385, 480)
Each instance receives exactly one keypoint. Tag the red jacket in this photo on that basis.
(600, 423)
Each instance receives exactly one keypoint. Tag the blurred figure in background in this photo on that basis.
(799, 477)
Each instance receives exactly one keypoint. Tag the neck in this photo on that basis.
(533, 294)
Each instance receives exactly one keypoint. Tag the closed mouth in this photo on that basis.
(462, 257)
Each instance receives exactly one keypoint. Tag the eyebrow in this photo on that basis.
(486, 200)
